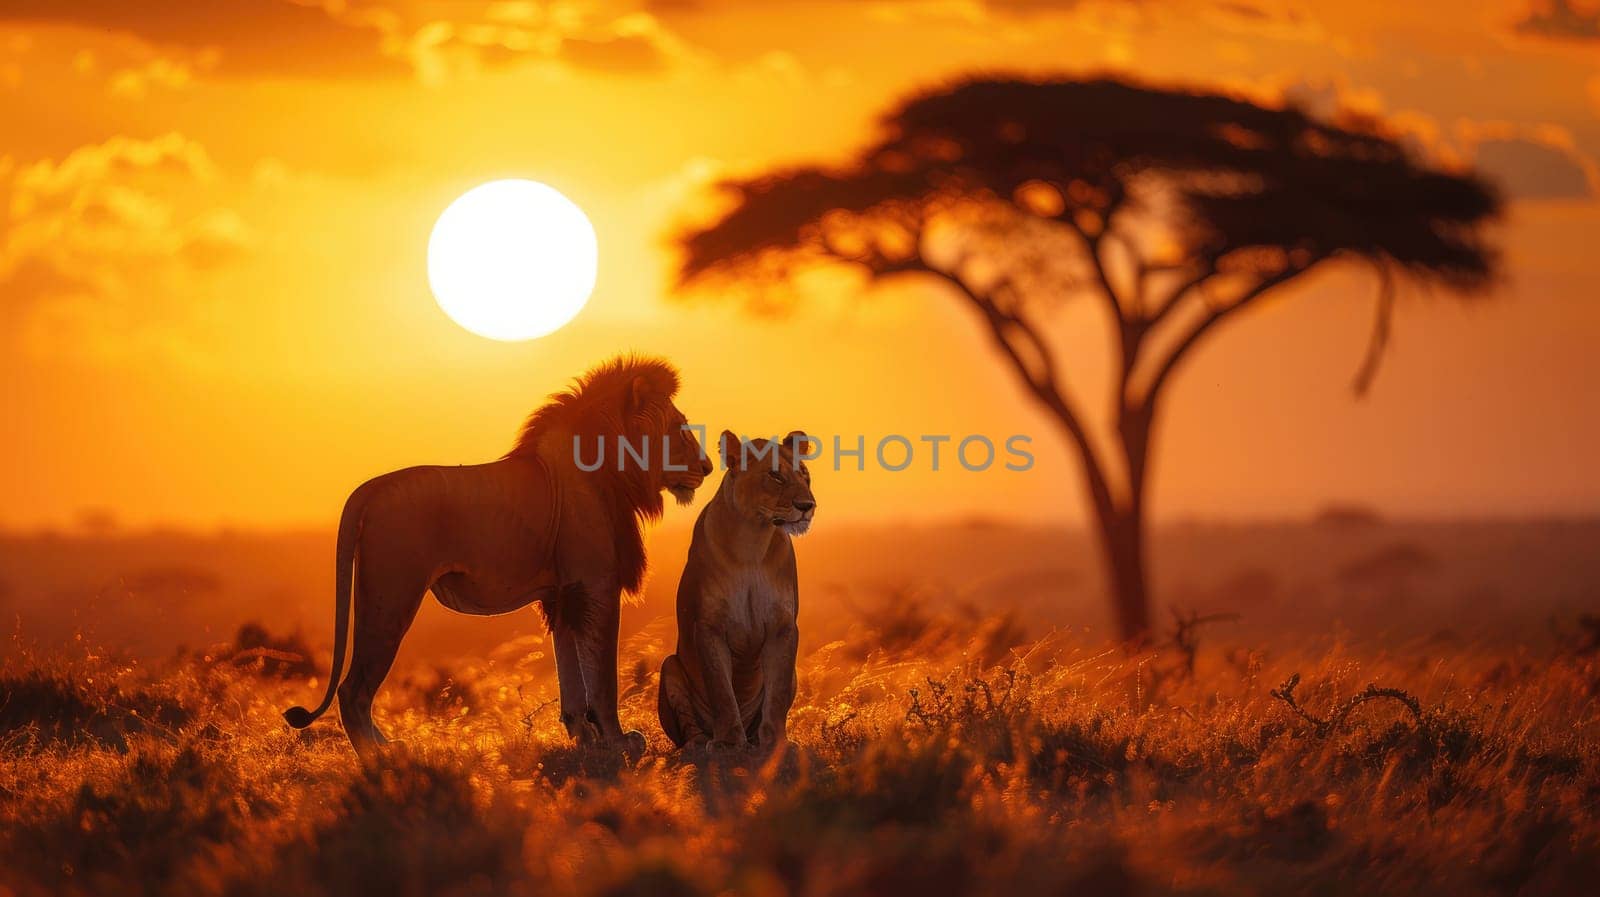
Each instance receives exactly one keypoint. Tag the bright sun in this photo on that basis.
(512, 260)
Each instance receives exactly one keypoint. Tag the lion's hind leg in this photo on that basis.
(383, 614)
(675, 705)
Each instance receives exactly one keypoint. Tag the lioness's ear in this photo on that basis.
(732, 451)
(803, 445)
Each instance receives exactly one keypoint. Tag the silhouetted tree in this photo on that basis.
(1173, 210)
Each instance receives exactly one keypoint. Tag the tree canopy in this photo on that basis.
(1233, 176)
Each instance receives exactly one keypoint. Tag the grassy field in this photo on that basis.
(933, 755)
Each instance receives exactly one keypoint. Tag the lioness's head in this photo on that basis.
(769, 482)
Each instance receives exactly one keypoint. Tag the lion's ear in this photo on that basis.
(639, 393)
(801, 443)
(732, 451)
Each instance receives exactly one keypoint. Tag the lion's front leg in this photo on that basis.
(597, 656)
(569, 677)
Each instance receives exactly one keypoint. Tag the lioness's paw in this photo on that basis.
(783, 748)
(728, 748)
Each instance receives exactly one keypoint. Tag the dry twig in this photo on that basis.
(1186, 634)
(1325, 726)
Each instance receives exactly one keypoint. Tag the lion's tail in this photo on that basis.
(344, 577)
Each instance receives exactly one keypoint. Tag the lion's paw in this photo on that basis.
(631, 743)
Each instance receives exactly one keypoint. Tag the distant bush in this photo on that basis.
(906, 620)
(1347, 516)
(46, 707)
(172, 584)
(259, 651)
(1387, 565)
(441, 692)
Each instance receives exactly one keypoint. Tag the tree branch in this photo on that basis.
(1136, 295)
(1091, 246)
(1210, 320)
(1044, 386)
(1202, 274)
(1379, 340)
(1016, 319)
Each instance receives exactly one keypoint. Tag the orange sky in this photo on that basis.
(212, 248)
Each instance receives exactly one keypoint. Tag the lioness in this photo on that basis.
(732, 681)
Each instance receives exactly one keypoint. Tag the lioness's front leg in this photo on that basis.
(777, 670)
(716, 666)
(675, 706)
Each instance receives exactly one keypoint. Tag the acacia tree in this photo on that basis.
(1172, 210)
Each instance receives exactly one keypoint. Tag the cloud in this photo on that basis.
(1030, 7)
(1275, 22)
(1528, 169)
(1527, 161)
(135, 81)
(981, 10)
(601, 40)
(1531, 162)
(1337, 100)
(78, 179)
(332, 39)
(631, 54)
(106, 247)
(240, 37)
(1562, 20)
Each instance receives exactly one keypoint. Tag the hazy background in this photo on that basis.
(1342, 576)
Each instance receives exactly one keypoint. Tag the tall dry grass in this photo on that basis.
(933, 755)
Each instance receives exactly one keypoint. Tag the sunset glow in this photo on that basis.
(1186, 489)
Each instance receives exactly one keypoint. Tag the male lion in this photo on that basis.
(533, 526)
(732, 680)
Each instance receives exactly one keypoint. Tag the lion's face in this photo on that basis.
(683, 451)
(768, 483)
(674, 459)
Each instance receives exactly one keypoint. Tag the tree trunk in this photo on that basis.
(1121, 526)
(1122, 538)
